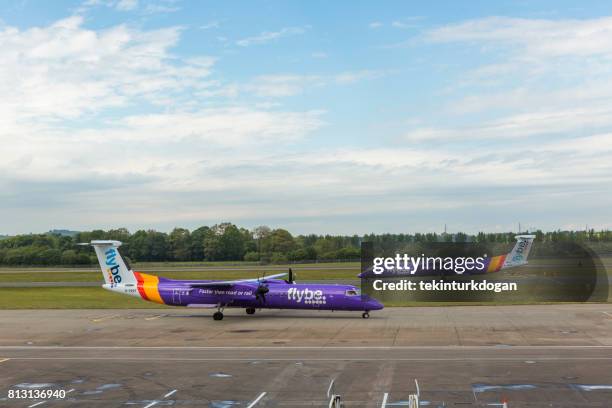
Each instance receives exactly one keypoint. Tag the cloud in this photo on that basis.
(210, 25)
(81, 104)
(126, 5)
(120, 5)
(282, 85)
(375, 24)
(65, 70)
(162, 6)
(268, 36)
(350, 77)
(533, 37)
(540, 78)
(108, 127)
(523, 125)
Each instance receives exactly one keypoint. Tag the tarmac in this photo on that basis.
(526, 356)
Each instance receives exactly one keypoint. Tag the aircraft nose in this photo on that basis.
(374, 304)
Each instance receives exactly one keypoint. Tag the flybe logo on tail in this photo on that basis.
(518, 256)
(314, 297)
(111, 262)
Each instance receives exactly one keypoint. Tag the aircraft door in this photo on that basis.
(176, 296)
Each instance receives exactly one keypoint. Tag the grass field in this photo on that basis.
(185, 271)
(95, 297)
(69, 298)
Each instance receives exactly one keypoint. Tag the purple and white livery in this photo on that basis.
(250, 294)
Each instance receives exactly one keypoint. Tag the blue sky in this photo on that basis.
(322, 117)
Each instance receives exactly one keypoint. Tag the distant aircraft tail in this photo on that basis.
(516, 257)
(114, 268)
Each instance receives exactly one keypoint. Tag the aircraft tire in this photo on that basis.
(250, 310)
(365, 315)
(218, 316)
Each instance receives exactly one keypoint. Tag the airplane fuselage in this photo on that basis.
(281, 295)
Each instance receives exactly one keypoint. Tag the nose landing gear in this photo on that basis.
(365, 315)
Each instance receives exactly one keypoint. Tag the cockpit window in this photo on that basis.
(352, 292)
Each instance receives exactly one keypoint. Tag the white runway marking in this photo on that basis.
(331, 385)
(153, 403)
(169, 394)
(2, 360)
(505, 347)
(37, 404)
(384, 401)
(252, 404)
(316, 359)
(607, 314)
(154, 317)
(101, 319)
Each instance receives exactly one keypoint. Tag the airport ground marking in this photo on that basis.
(154, 317)
(249, 359)
(384, 401)
(153, 403)
(607, 314)
(277, 348)
(256, 400)
(101, 319)
(170, 393)
(36, 404)
(2, 360)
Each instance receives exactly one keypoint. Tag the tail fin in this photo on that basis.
(518, 255)
(114, 269)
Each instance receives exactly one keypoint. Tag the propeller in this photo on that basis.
(291, 277)
(260, 292)
(262, 289)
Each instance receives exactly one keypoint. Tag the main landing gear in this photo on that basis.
(218, 315)
(365, 315)
(250, 310)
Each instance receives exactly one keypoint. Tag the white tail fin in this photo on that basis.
(114, 268)
(518, 255)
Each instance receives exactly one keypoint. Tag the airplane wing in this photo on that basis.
(233, 282)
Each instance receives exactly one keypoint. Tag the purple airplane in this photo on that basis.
(250, 294)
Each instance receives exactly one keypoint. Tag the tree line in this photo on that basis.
(228, 242)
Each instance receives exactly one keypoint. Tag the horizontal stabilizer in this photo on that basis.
(102, 242)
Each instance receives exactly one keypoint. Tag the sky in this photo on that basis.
(344, 117)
